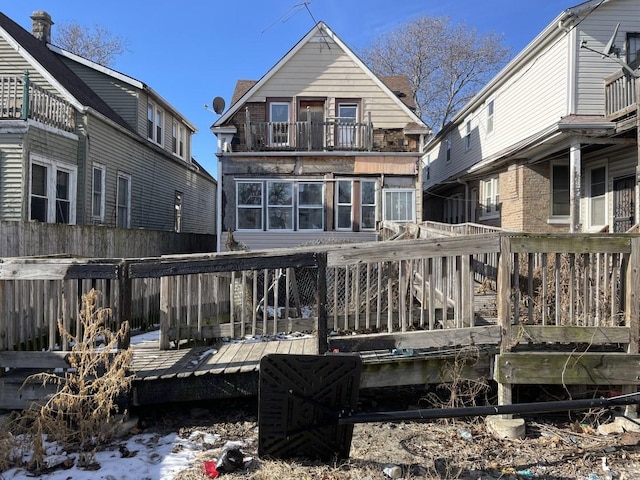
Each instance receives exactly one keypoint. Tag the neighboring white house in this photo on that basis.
(550, 143)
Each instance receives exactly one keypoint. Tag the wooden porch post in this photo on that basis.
(575, 168)
(632, 311)
(165, 312)
(321, 301)
(503, 302)
(124, 302)
(25, 95)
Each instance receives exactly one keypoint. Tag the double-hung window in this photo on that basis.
(280, 205)
(123, 201)
(310, 206)
(347, 127)
(490, 112)
(178, 137)
(155, 123)
(399, 204)
(633, 49)
(367, 205)
(279, 115)
(98, 192)
(598, 196)
(52, 191)
(249, 205)
(447, 147)
(490, 198)
(560, 190)
(344, 205)
(467, 136)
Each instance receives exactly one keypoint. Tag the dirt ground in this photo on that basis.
(555, 447)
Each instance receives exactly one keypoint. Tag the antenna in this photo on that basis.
(610, 51)
(610, 47)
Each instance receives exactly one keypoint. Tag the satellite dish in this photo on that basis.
(218, 105)
(610, 47)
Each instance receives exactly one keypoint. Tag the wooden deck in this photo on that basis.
(205, 372)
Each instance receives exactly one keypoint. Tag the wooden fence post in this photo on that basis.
(124, 302)
(632, 311)
(503, 302)
(165, 312)
(321, 301)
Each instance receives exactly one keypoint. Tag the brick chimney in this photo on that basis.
(41, 26)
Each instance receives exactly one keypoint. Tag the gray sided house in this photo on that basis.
(83, 144)
(550, 143)
(318, 150)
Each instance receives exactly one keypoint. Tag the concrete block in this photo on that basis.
(511, 428)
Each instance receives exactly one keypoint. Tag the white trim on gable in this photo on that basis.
(315, 35)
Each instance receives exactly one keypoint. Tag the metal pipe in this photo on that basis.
(534, 407)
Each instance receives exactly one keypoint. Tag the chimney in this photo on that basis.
(41, 26)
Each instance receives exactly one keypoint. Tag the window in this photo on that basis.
(347, 125)
(177, 209)
(279, 124)
(344, 203)
(467, 138)
(280, 206)
(53, 191)
(367, 205)
(598, 196)
(447, 147)
(427, 174)
(97, 192)
(560, 190)
(490, 197)
(249, 206)
(399, 205)
(178, 139)
(490, 116)
(155, 122)
(123, 204)
(633, 49)
(310, 206)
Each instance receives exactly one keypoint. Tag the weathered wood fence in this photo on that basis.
(560, 309)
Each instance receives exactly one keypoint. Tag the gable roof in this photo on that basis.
(72, 88)
(324, 30)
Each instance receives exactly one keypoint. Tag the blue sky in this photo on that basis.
(194, 50)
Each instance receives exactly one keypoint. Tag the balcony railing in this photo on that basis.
(21, 99)
(332, 134)
(620, 94)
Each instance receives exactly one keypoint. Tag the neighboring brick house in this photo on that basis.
(83, 144)
(319, 149)
(550, 143)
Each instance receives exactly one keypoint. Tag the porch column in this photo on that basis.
(575, 167)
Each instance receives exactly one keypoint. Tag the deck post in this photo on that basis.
(503, 300)
(632, 312)
(124, 302)
(165, 313)
(321, 301)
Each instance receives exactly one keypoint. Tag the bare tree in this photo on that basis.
(446, 64)
(94, 43)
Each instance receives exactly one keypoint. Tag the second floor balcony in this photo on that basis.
(332, 134)
(621, 95)
(20, 99)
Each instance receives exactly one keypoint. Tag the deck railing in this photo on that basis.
(22, 99)
(336, 133)
(621, 94)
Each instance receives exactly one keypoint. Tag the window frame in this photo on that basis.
(632, 58)
(280, 206)
(490, 191)
(604, 196)
(52, 167)
(348, 205)
(248, 206)
(447, 146)
(385, 200)
(552, 192)
(345, 131)
(467, 136)
(364, 205)
(491, 109)
(127, 223)
(155, 123)
(101, 193)
(178, 139)
(308, 206)
(274, 126)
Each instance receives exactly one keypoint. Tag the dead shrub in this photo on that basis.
(81, 415)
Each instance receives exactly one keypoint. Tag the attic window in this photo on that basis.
(155, 123)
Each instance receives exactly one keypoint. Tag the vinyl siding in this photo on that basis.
(155, 177)
(11, 162)
(118, 95)
(319, 71)
(530, 100)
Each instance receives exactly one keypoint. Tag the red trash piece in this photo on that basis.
(210, 470)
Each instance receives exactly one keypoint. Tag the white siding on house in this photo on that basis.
(318, 71)
(11, 161)
(592, 68)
